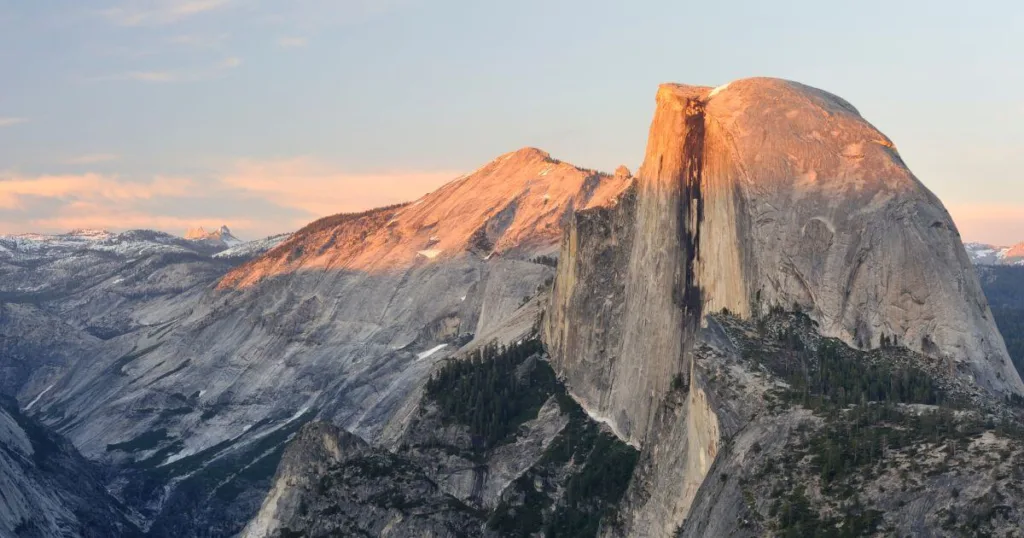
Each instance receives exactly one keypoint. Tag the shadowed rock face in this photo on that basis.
(760, 194)
(48, 489)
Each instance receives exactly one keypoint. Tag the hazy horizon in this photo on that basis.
(265, 115)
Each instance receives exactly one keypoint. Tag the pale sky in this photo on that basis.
(266, 114)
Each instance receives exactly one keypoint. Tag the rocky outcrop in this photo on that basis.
(221, 236)
(756, 196)
(550, 469)
(332, 483)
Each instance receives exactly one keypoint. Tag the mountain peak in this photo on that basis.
(526, 153)
(514, 205)
(221, 235)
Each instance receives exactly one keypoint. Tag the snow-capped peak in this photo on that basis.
(984, 254)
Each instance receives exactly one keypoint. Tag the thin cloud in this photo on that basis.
(152, 76)
(93, 158)
(258, 197)
(226, 64)
(157, 12)
(140, 76)
(292, 42)
(195, 41)
(320, 189)
(16, 192)
(7, 122)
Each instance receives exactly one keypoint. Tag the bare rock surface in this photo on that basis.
(756, 196)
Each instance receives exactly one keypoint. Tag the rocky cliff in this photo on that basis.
(753, 197)
(494, 447)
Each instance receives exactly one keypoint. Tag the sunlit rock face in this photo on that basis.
(756, 195)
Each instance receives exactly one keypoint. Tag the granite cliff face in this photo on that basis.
(753, 197)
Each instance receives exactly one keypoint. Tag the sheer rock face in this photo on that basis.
(764, 193)
(829, 218)
(759, 194)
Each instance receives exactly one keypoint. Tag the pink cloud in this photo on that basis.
(88, 187)
(258, 197)
(320, 189)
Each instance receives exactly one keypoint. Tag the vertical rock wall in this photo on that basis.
(760, 194)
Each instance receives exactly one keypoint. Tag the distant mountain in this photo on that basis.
(984, 254)
(221, 236)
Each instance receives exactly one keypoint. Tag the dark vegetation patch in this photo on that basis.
(145, 441)
(550, 261)
(592, 467)
(493, 392)
(875, 408)
(124, 360)
(582, 475)
(825, 373)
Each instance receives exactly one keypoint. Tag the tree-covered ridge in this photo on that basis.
(890, 428)
(494, 391)
(581, 476)
(825, 373)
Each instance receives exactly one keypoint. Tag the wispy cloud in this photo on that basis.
(197, 41)
(7, 122)
(93, 158)
(226, 64)
(16, 191)
(146, 76)
(320, 189)
(156, 12)
(291, 42)
(259, 197)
